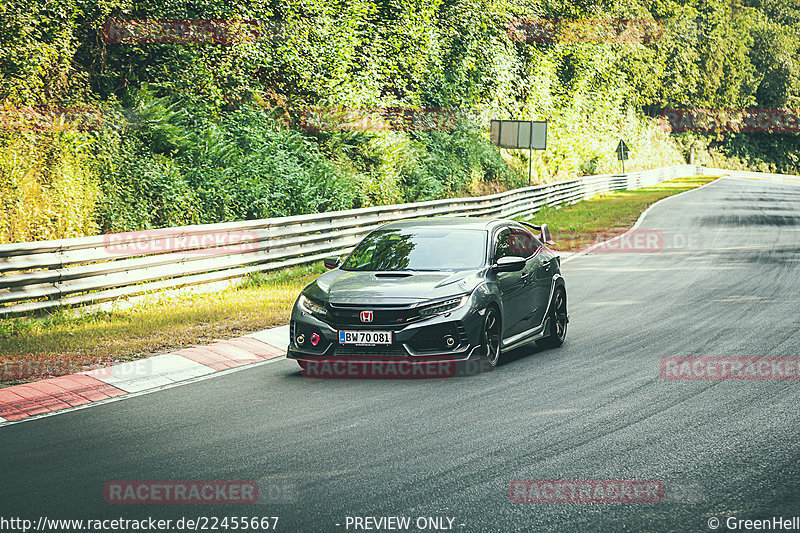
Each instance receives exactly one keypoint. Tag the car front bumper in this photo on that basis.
(423, 341)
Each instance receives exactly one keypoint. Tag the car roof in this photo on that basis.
(448, 222)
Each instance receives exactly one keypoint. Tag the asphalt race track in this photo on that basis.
(726, 283)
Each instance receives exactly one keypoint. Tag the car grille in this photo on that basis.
(382, 351)
(392, 317)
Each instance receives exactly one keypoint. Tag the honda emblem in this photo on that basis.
(366, 316)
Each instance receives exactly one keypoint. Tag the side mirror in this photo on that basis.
(331, 262)
(509, 263)
(545, 237)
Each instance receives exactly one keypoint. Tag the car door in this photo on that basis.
(512, 286)
(543, 265)
(533, 293)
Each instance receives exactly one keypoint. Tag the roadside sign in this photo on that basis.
(622, 153)
(622, 150)
(520, 134)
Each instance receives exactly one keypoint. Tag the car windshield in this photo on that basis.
(419, 249)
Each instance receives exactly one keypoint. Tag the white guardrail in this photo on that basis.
(68, 272)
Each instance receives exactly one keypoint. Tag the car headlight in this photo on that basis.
(310, 306)
(444, 307)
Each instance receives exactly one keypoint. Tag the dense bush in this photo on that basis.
(48, 186)
(172, 170)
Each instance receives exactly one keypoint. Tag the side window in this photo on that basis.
(502, 245)
(522, 243)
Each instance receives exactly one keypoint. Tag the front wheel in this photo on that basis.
(491, 337)
(558, 321)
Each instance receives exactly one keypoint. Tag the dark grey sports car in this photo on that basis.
(436, 289)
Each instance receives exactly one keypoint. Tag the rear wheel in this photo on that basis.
(558, 320)
(491, 336)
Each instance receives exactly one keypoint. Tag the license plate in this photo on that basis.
(365, 337)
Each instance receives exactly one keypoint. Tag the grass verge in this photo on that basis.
(64, 342)
(574, 227)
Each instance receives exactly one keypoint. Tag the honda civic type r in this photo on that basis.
(437, 289)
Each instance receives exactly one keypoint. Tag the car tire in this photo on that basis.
(303, 365)
(490, 337)
(558, 320)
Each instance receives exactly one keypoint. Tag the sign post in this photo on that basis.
(622, 153)
(520, 134)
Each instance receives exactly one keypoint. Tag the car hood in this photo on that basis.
(375, 288)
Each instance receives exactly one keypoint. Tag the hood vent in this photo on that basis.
(393, 274)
